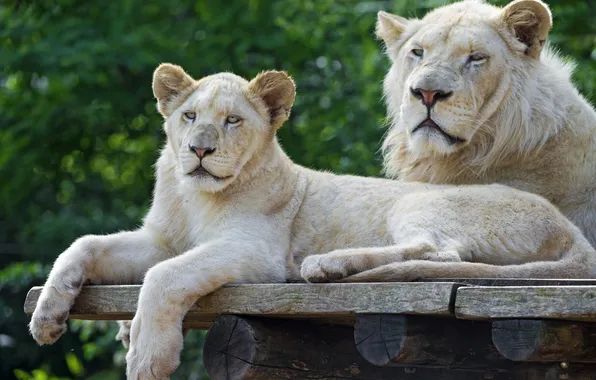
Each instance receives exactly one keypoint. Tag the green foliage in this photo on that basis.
(79, 131)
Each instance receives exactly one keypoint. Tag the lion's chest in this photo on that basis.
(191, 224)
(205, 222)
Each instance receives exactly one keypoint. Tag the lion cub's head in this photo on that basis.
(455, 68)
(221, 124)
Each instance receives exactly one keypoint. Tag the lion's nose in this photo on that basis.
(201, 151)
(430, 97)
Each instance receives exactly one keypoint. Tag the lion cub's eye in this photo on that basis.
(191, 116)
(231, 120)
(418, 52)
(477, 57)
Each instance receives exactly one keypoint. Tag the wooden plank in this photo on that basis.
(576, 303)
(329, 302)
(512, 281)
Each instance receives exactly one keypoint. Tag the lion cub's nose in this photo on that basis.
(201, 151)
(430, 97)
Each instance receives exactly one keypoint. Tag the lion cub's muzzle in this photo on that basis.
(201, 151)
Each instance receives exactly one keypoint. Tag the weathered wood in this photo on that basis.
(239, 348)
(397, 340)
(329, 302)
(545, 341)
(512, 281)
(535, 302)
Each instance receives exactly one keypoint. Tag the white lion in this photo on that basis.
(230, 206)
(473, 97)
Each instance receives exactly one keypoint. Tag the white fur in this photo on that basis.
(524, 123)
(274, 220)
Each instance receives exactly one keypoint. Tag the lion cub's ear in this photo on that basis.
(170, 86)
(530, 22)
(278, 91)
(390, 26)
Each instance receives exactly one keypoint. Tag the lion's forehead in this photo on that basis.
(459, 38)
(464, 11)
(464, 23)
(223, 79)
(219, 94)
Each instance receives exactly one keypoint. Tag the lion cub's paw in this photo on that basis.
(48, 322)
(319, 268)
(154, 352)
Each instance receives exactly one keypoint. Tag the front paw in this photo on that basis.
(48, 321)
(322, 268)
(154, 352)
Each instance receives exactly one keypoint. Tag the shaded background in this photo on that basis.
(79, 131)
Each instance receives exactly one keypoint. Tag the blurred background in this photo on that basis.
(79, 131)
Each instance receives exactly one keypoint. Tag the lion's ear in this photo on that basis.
(278, 91)
(170, 83)
(530, 22)
(390, 26)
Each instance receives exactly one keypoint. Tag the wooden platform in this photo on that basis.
(573, 300)
(441, 329)
(337, 303)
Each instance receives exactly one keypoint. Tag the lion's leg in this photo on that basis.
(416, 269)
(579, 261)
(171, 287)
(338, 264)
(118, 258)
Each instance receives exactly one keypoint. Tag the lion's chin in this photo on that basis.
(429, 126)
(202, 172)
(429, 142)
(204, 181)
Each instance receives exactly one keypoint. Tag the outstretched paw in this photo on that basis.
(323, 268)
(154, 352)
(48, 321)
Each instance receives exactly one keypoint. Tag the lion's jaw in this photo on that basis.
(221, 128)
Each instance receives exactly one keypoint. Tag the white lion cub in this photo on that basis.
(230, 206)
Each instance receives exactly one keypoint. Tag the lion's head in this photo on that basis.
(459, 80)
(219, 126)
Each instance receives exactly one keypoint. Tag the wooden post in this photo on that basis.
(239, 348)
(398, 340)
(267, 349)
(545, 341)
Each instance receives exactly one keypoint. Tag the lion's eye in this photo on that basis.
(477, 57)
(191, 116)
(418, 52)
(231, 120)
